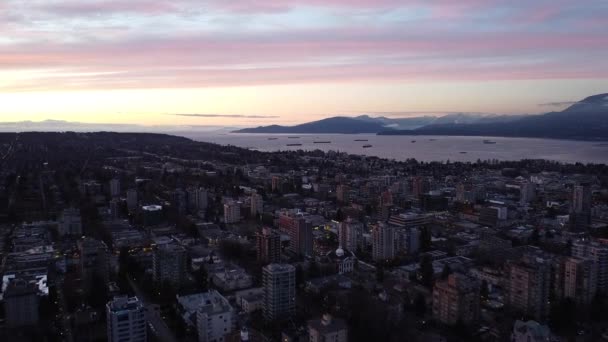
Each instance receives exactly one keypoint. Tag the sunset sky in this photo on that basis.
(255, 62)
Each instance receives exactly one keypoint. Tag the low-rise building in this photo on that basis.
(327, 329)
(214, 318)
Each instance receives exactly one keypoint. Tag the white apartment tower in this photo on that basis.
(383, 242)
(126, 320)
(257, 204)
(232, 212)
(279, 284)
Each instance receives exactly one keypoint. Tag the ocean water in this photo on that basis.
(423, 148)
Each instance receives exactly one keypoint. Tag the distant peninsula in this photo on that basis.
(584, 120)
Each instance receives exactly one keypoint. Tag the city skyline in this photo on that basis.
(250, 63)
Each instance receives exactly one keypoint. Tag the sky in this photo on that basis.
(255, 62)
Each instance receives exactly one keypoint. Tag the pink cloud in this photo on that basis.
(146, 7)
(422, 49)
(160, 78)
(540, 12)
(75, 7)
(295, 48)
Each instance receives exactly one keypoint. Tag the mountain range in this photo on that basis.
(584, 120)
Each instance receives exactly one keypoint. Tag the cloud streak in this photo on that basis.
(232, 116)
(70, 44)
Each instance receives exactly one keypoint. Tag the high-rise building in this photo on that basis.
(203, 199)
(279, 284)
(126, 320)
(152, 214)
(197, 199)
(580, 207)
(400, 188)
(232, 212)
(527, 192)
(169, 264)
(94, 261)
(277, 183)
(327, 329)
(114, 208)
(348, 234)
(528, 285)
(115, 187)
(215, 318)
(433, 200)
(413, 240)
(21, 303)
(465, 193)
(598, 252)
(581, 198)
(268, 246)
(180, 201)
(383, 242)
(132, 200)
(342, 193)
(299, 230)
(488, 216)
(456, 299)
(420, 185)
(408, 220)
(385, 199)
(70, 222)
(580, 280)
(257, 204)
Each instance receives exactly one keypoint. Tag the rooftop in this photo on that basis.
(124, 303)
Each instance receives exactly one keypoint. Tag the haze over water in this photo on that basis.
(426, 148)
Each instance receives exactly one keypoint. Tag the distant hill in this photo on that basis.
(337, 124)
(584, 120)
(370, 124)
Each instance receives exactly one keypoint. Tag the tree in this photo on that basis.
(420, 305)
(483, 291)
(562, 316)
(232, 250)
(299, 275)
(123, 259)
(166, 292)
(313, 269)
(339, 215)
(426, 271)
(425, 239)
(445, 273)
(598, 308)
(535, 238)
(380, 274)
(98, 295)
(202, 278)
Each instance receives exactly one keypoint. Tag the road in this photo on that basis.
(65, 319)
(155, 322)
